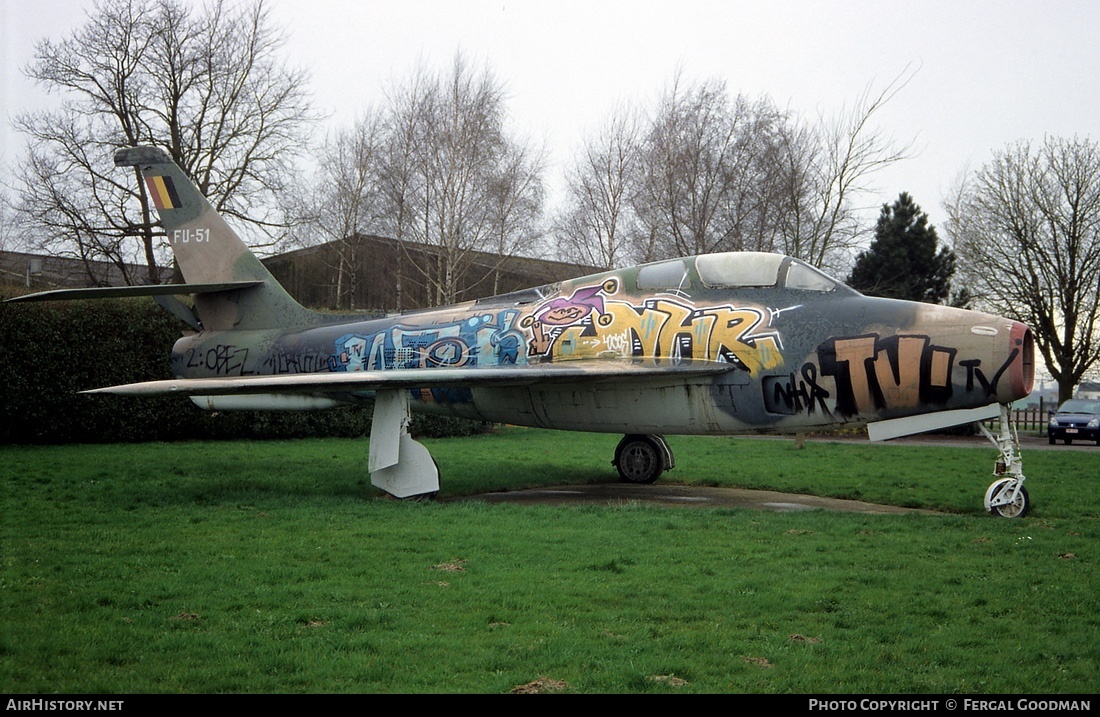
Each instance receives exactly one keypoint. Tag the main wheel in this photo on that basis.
(639, 459)
(1016, 509)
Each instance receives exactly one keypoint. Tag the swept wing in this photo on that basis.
(448, 377)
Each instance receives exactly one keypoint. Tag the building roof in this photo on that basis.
(41, 272)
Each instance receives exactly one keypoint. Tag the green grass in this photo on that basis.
(275, 567)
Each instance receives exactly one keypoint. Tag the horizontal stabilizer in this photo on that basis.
(898, 427)
(450, 377)
(116, 292)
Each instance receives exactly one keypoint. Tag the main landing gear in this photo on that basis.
(1007, 496)
(642, 458)
(398, 464)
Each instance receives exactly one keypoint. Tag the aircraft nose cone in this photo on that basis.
(1021, 370)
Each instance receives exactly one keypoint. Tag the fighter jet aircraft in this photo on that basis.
(727, 343)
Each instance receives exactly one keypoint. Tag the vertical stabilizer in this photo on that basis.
(209, 251)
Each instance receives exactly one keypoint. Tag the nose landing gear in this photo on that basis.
(1007, 496)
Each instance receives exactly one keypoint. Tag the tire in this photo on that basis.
(1016, 509)
(1050, 440)
(639, 459)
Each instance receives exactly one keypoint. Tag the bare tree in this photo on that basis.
(1026, 229)
(822, 169)
(453, 178)
(462, 138)
(695, 190)
(434, 168)
(597, 223)
(406, 111)
(516, 197)
(345, 200)
(9, 228)
(715, 174)
(208, 86)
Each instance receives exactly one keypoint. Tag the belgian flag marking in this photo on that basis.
(163, 192)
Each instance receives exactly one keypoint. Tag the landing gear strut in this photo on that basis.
(1007, 496)
(642, 458)
(398, 464)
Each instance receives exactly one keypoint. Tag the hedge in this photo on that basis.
(50, 351)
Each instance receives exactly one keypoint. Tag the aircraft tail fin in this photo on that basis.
(208, 251)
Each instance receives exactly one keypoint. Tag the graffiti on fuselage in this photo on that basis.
(488, 338)
(584, 308)
(592, 322)
(873, 373)
(866, 374)
(589, 323)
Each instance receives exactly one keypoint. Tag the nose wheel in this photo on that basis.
(1007, 497)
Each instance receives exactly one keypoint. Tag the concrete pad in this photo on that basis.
(682, 495)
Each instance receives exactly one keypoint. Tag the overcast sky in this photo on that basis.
(984, 74)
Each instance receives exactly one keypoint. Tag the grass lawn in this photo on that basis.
(275, 567)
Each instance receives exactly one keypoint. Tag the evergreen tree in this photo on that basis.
(903, 261)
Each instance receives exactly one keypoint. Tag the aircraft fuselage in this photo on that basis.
(805, 352)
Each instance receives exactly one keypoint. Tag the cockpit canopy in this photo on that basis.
(729, 270)
(737, 270)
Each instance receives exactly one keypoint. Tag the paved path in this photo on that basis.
(682, 495)
(708, 497)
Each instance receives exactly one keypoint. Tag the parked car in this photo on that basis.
(1076, 419)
